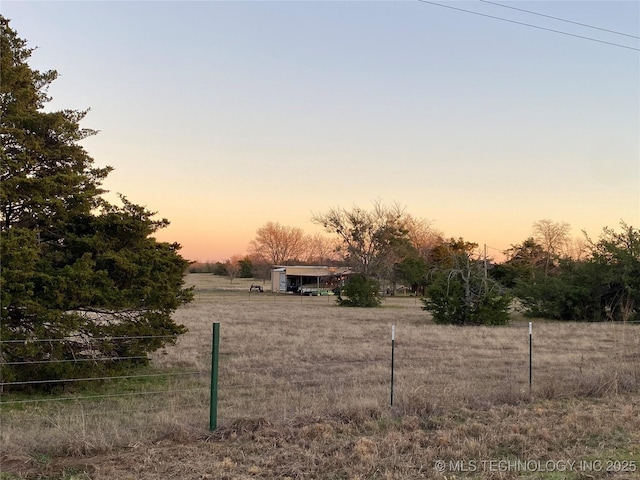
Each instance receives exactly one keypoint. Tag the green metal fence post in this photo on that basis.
(213, 401)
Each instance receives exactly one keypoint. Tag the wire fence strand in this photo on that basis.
(85, 338)
(96, 397)
(88, 379)
(74, 360)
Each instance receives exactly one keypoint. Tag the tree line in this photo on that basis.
(549, 274)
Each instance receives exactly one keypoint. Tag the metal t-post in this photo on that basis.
(393, 345)
(213, 402)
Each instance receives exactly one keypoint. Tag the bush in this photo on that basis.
(360, 291)
(246, 268)
(603, 286)
(456, 299)
(219, 269)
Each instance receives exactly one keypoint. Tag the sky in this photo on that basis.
(224, 115)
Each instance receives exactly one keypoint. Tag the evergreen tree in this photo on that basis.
(246, 268)
(603, 286)
(81, 279)
(359, 291)
(460, 293)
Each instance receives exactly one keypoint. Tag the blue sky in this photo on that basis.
(225, 115)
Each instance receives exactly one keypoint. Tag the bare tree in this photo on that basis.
(576, 248)
(422, 236)
(553, 237)
(261, 267)
(320, 250)
(277, 244)
(232, 266)
(367, 237)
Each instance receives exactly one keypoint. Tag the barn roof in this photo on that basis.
(312, 271)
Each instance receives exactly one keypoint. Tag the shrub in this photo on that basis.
(360, 291)
(466, 297)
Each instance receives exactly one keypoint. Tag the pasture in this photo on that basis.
(304, 392)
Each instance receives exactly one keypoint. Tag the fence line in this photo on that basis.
(14, 400)
(305, 366)
(293, 393)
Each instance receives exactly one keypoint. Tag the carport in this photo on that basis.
(314, 279)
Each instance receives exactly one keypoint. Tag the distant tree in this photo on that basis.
(277, 244)
(603, 286)
(459, 293)
(524, 262)
(423, 236)
(201, 267)
(219, 269)
(232, 267)
(367, 237)
(319, 250)
(246, 268)
(261, 269)
(443, 255)
(576, 248)
(401, 264)
(554, 238)
(80, 279)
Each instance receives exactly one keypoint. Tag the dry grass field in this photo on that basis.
(304, 393)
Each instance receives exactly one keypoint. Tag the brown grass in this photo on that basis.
(305, 389)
